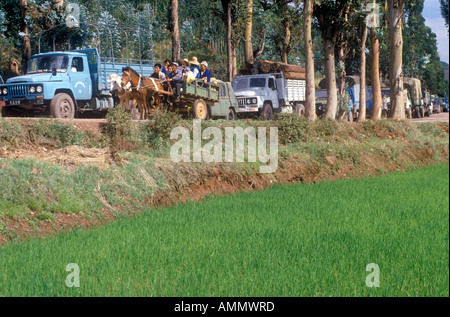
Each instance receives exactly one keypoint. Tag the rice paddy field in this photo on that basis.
(292, 241)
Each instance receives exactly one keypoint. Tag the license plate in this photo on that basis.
(2, 104)
(14, 102)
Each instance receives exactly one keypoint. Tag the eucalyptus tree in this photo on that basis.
(375, 21)
(332, 20)
(310, 106)
(26, 52)
(175, 30)
(396, 8)
(362, 21)
(234, 16)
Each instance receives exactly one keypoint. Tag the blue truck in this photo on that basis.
(64, 84)
(353, 93)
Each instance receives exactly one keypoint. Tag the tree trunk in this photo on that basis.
(362, 93)
(26, 54)
(375, 76)
(310, 106)
(229, 44)
(176, 50)
(286, 41)
(341, 78)
(330, 73)
(248, 48)
(234, 71)
(396, 59)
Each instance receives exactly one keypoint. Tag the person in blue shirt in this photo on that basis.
(205, 74)
(195, 67)
(165, 69)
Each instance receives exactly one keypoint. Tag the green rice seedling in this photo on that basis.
(300, 240)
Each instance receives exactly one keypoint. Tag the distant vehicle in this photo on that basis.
(321, 102)
(353, 93)
(65, 83)
(436, 104)
(444, 103)
(413, 87)
(266, 94)
(427, 103)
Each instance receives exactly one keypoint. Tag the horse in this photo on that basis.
(124, 96)
(144, 88)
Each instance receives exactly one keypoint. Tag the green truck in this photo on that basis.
(215, 101)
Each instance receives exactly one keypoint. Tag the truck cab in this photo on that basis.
(254, 92)
(266, 94)
(65, 82)
(227, 107)
(58, 74)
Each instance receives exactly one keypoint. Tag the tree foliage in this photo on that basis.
(140, 29)
(445, 11)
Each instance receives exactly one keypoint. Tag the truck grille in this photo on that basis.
(242, 102)
(18, 90)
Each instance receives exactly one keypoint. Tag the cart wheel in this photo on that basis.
(201, 110)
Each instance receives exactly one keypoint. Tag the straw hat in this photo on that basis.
(194, 61)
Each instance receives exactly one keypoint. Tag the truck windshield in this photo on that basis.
(46, 64)
(257, 83)
(246, 83)
(240, 84)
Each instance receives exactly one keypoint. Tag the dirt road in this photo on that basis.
(441, 117)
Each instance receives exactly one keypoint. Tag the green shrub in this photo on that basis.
(292, 128)
(11, 134)
(157, 131)
(325, 128)
(60, 134)
(120, 130)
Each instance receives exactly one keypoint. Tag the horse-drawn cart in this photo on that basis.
(202, 100)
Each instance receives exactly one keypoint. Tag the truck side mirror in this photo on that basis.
(54, 72)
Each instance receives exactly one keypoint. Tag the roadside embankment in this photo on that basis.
(58, 176)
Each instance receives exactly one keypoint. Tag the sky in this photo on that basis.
(433, 19)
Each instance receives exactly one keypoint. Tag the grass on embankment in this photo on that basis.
(37, 193)
(301, 240)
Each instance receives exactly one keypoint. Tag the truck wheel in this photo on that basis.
(231, 115)
(201, 110)
(267, 112)
(299, 110)
(62, 107)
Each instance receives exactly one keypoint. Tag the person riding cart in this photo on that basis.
(176, 80)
